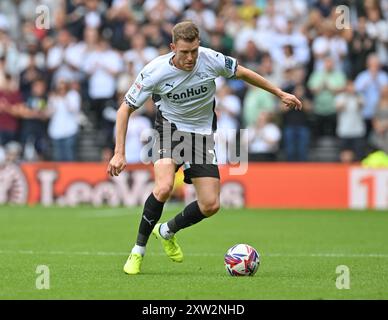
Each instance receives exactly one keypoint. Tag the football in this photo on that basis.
(242, 260)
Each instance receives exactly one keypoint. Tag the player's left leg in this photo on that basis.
(206, 205)
(208, 194)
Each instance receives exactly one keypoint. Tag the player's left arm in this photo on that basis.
(257, 80)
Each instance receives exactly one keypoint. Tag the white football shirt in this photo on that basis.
(185, 98)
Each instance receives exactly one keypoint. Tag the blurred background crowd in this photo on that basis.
(60, 87)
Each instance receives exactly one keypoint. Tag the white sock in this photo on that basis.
(139, 250)
(165, 231)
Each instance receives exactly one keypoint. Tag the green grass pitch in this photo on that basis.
(85, 249)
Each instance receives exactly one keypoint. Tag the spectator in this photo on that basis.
(311, 27)
(202, 16)
(228, 108)
(30, 53)
(325, 7)
(10, 97)
(292, 42)
(159, 11)
(139, 130)
(233, 24)
(383, 103)
(293, 9)
(86, 13)
(138, 30)
(369, 84)
(34, 123)
(360, 45)
(226, 40)
(329, 43)
(248, 10)
(376, 27)
(140, 54)
(8, 50)
(271, 20)
(251, 55)
(263, 139)
(258, 100)
(126, 76)
(285, 59)
(63, 59)
(351, 127)
(379, 136)
(296, 131)
(103, 66)
(131, 29)
(63, 109)
(324, 86)
(9, 18)
(28, 76)
(156, 36)
(3, 73)
(56, 54)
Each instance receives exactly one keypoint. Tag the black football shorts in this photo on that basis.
(195, 152)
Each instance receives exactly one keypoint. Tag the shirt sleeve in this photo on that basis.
(224, 66)
(140, 90)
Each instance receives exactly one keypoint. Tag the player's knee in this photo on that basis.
(163, 192)
(210, 207)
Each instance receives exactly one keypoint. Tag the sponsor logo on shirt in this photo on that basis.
(228, 63)
(170, 85)
(129, 97)
(189, 93)
(134, 91)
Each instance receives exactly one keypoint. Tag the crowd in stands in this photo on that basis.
(55, 82)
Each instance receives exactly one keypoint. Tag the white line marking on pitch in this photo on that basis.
(102, 253)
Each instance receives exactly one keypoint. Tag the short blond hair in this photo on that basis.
(186, 30)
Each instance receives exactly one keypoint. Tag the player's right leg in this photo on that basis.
(164, 170)
(163, 189)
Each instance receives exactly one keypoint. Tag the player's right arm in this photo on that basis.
(118, 163)
(136, 96)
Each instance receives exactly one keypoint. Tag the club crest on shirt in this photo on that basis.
(202, 75)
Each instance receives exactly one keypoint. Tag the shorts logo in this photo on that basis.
(161, 151)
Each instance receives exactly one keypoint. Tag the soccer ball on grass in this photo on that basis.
(242, 260)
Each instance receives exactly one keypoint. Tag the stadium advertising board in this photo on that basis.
(263, 186)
